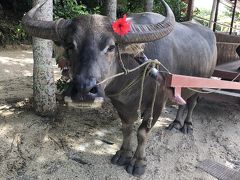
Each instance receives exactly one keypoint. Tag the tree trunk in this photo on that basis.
(148, 5)
(43, 78)
(111, 9)
(190, 10)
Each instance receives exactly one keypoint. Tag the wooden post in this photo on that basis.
(190, 10)
(213, 12)
(233, 16)
(216, 16)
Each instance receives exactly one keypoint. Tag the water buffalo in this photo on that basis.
(184, 48)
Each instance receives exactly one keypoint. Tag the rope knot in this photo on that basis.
(149, 125)
(126, 71)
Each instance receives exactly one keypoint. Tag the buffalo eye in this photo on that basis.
(111, 48)
(70, 46)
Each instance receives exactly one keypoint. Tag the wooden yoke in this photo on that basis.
(180, 81)
(177, 82)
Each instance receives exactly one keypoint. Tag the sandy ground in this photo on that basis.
(80, 143)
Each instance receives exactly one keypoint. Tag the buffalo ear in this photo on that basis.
(131, 49)
(57, 43)
(59, 50)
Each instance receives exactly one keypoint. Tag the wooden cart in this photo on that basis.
(227, 71)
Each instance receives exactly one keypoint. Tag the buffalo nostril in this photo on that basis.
(94, 90)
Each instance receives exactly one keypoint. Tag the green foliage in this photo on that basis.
(69, 9)
(132, 6)
(96, 10)
(224, 17)
(226, 13)
(178, 7)
(19, 34)
(237, 16)
(12, 32)
(62, 85)
(204, 14)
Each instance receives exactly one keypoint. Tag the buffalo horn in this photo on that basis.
(141, 33)
(53, 30)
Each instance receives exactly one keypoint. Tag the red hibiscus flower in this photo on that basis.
(121, 26)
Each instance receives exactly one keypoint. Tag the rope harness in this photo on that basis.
(152, 68)
(148, 66)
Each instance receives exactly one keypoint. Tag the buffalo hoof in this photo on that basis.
(136, 167)
(122, 157)
(187, 128)
(174, 125)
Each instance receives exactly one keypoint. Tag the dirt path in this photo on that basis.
(80, 143)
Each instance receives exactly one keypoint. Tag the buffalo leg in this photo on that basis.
(177, 123)
(125, 154)
(138, 163)
(191, 103)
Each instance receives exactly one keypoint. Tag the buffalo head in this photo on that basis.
(91, 46)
